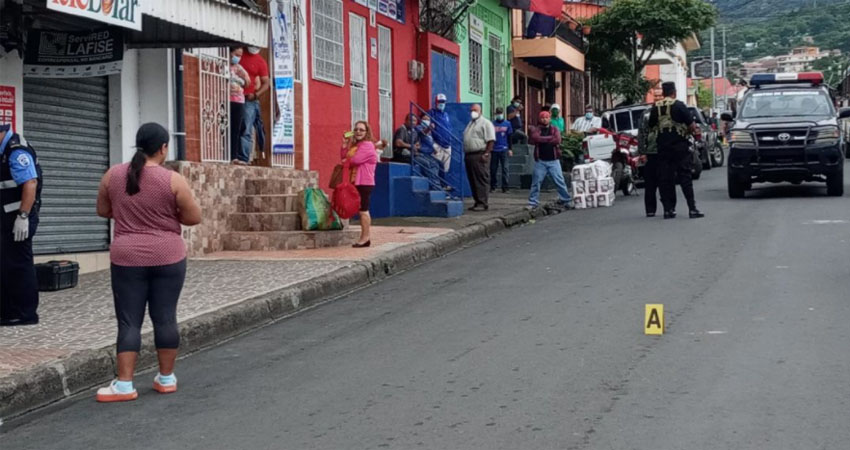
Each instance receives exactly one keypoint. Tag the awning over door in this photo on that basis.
(199, 23)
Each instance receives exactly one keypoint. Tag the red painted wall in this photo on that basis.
(330, 104)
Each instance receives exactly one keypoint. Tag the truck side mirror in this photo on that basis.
(728, 116)
(844, 113)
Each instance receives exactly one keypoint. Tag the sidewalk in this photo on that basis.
(225, 294)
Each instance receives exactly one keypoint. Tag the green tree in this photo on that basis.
(625, 36)
(703, 96)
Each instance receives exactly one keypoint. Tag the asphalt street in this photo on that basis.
(534, 340)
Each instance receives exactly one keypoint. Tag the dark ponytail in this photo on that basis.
(149, 140)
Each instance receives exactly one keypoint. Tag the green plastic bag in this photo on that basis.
(315, 211)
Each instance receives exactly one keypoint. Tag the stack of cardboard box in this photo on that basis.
(592, 185)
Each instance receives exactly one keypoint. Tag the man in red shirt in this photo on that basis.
(258, 71)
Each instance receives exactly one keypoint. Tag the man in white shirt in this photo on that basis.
(588, 124)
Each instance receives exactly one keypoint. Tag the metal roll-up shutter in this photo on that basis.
(67, 122)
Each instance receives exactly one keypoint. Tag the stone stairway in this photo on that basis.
(267, 219)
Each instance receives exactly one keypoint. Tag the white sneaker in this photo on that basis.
(111, 394)
(164, 388)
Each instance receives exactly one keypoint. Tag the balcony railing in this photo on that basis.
(572, 37)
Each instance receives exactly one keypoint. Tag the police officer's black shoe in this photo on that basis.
(669, 214)
(650, 214)
(17, 322)
(696, 214)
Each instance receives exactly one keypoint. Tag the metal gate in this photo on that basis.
(385, 86)
(357, 61)
(497, 73)
(215, 103)
(66, 120)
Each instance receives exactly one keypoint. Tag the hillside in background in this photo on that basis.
(759, 9)
(782, 25)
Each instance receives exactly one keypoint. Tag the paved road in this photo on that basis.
(533, 340)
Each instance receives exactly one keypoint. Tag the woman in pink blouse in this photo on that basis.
(360, 153)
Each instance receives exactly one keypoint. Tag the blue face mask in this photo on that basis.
(588, 116)
(441, 106)
(234, 60)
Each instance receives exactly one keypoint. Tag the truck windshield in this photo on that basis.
(794, 103)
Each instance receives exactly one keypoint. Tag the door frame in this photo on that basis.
(365, 83)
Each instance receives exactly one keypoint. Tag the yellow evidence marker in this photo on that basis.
(654, 321)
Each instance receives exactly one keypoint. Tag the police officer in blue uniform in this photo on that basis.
(20, 199)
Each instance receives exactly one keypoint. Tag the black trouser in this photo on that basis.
(499, 159)
(237, 128)
(478, 173)
(18, 283)
(157, 287)
(650, 184)
(675, 167)
(518, 137)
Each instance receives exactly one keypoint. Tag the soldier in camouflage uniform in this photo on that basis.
(648, 148)
(670, 125)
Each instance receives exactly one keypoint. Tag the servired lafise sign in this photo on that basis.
(123, 13)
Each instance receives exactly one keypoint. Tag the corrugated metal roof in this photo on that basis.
(215, 17)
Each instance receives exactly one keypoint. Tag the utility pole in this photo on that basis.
(713, 94)
(725, 71)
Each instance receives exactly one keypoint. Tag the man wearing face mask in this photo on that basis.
(589, 124)
(501, 151)
(442, 132)
(557, 120)
(478, 140)
(20, 198)
(258, 69)
(514, 115)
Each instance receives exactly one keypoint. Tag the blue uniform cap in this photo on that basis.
(5, 127)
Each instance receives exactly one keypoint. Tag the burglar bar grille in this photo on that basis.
(215, 104)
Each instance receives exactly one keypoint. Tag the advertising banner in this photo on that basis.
(59, 54)
(283, 132)
(7, 106)
(123, 13)
(393, 9)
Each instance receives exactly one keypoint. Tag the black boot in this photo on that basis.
(669, 214)
(695, 214)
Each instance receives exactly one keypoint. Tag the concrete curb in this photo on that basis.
(42, 385)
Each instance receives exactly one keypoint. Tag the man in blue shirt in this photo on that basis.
(425, 164)
(501, 150)
(442, 132)
(515, 111)
(20, 197)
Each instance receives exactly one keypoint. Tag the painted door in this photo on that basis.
(534, 103)
(385, 86)
(497, 74)
(359, 72)
(444, 75)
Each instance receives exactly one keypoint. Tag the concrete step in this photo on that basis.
(519, 159)
(445, 208)
(436, 196)
(278, 221)
(275, 186)
(412, 184)
(289, 240)
(268, 203)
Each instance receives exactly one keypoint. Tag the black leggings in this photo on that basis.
(158, 287)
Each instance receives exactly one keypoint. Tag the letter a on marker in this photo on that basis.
(654, 321)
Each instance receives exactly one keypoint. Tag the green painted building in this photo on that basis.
(485, 63)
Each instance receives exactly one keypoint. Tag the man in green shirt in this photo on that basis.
(557, 119)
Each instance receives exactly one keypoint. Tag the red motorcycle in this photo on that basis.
(625, 161)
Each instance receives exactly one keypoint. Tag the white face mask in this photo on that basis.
(426, 123)
(474, 115)
(253, 50)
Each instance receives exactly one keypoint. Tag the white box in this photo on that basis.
(590, 201)
(579, 188)
(588, 172)
(605, 200)
(602, 169)
(578, 172)
(592, 186)
(578, 202)
(606, 185)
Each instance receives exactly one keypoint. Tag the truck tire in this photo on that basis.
(835, 184)
(737, 189)
(717, 155)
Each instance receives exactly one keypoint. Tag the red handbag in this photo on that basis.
(345, 200)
